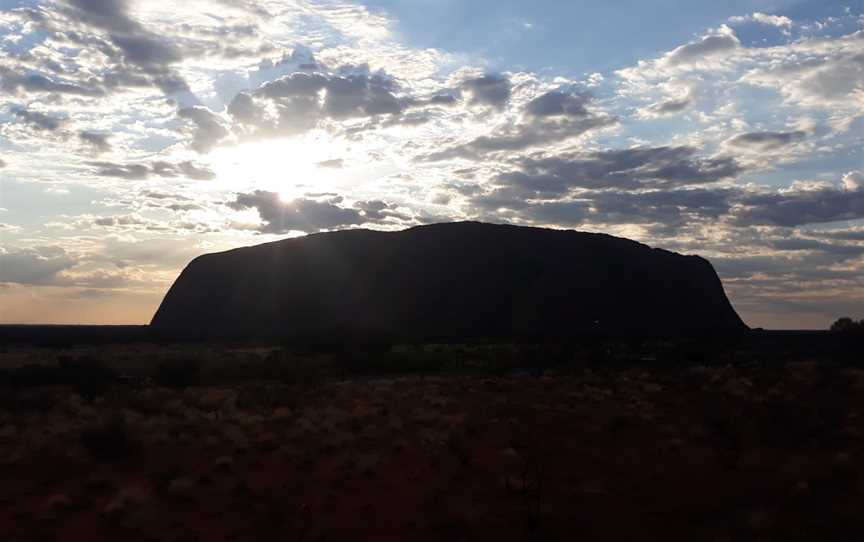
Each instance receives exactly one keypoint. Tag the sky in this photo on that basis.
(136, 135)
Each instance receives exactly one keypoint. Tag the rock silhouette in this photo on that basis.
(445, 281)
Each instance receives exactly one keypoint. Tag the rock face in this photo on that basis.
(445, 281)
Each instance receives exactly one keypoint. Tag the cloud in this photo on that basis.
(2, 163)
(668, 107)
(548, 118)
(780, 21)
(360, 95)
(335, 163)
(853, 181)
(301, 214)
(300, 101)
(558, 104)
(637, 168)
(132, 172)
(141, 171)
(141, 47)
(37, 266)
(198, 173)
(98, 141)
(375, 210)
(850, 234)
(766, 141)
(14, 83)
(719, 43)
(826, 73)
(797, 206)
(37, 120)
(795, 244)
(208, 129)
(491, 90)
(119, 221)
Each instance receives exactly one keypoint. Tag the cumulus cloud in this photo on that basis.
(713, 45)
(98, 141)
(558, 104)
(492, 90)
(37, 120)
(548, 118)
(853, 181)
(208, 128)
(815, 72)
(300, 101)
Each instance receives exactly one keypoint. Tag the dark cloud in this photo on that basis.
(243, 110)
(360, 95)
(557, 103)
(548, 118)
(182, 206)
(98, 141)
(298, 101)
(671, 208)
(799, 207)
(2, 163)
(208, 128)
(131, 44)
(766, 141)
(37, 120)
(644, 167)
(302, 214)
(132, 172)
(137, 172)
(198, 173)
(667, 207)
(489, 90)
(147, 51)
(119, 221)
(111, 15)
(669, 107)
(13, 82)
(801, 244)
(34, 266)
(851, 234)
(374, 210)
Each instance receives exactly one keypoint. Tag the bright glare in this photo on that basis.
(291, 167)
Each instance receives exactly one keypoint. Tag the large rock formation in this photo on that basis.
(445, 281)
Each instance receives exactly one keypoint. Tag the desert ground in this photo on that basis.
(190, 443)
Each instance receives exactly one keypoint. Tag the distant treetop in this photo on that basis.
(848, 325)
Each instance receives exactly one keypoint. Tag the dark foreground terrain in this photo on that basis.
(139, 442)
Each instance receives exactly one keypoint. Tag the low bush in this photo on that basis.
(177, 372)
(109, 439)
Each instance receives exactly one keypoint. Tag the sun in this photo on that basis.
(290, 167)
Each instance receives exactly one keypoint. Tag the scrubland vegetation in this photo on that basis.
(485, 442)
